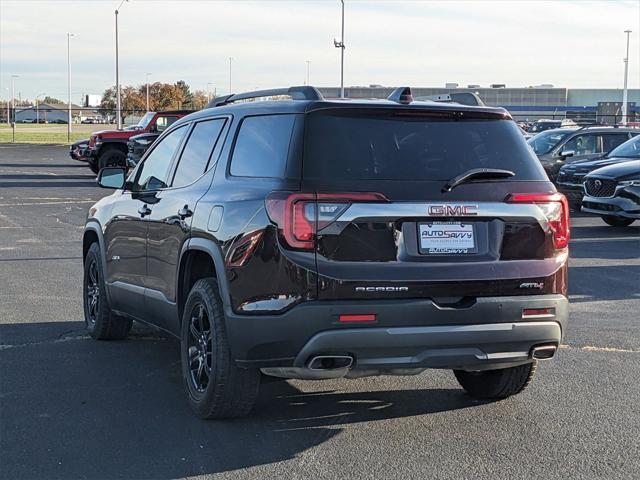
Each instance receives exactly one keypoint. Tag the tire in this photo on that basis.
(102, 324)
(215, 386)
(93, 165)
(497, 384)
(112, 158)
(617, 221)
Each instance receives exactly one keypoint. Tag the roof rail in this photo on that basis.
(296, 93)
(401, 95)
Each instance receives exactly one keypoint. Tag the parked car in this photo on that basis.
(571, 176)
(574, 144)
(613, 193)
(78, 150)
(137, 145)
(315, 239)
(109, 147)
(545, 124)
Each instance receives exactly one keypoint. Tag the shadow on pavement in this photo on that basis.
(76, 408)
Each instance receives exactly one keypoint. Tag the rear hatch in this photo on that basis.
(377, 214)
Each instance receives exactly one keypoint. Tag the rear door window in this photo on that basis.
(197, 151)
(410, 146)
(586, 144)
(164, 122)
(262, 146)
(612, 140)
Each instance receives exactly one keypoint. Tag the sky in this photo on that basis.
(567, 43)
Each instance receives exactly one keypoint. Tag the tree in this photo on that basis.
(200, 100)
(52, 100)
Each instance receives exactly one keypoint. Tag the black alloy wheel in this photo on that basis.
(200, 348)
(93, 292)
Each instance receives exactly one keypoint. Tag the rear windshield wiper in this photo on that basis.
(476, 174)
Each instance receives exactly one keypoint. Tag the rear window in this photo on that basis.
(393, 147)
(262, 146)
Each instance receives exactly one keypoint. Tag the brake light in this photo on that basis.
(556, 210)
(299, 216)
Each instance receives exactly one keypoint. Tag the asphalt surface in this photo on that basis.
(71, 407)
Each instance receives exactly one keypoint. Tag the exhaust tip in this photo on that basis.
(330, 362)
(543, 352)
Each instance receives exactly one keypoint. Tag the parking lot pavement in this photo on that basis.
(75, 408)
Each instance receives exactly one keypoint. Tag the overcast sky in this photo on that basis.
(568, 43)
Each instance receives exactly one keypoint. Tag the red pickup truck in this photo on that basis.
(108, 148)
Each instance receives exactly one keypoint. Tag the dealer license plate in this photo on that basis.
(447, 238)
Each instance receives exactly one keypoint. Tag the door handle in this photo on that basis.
(184, 212)
(144, 210)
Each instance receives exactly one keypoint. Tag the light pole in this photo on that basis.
(626, 75)
(340, 45)
(308, 67)
(38, 111)
(13, 97)
(230, 60)
(69, 35)
(118, 106)
(148, 73)
(209, 91)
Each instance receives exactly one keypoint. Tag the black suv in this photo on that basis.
(576, 144)
(300, 237)
(613, 192)
(571, 177)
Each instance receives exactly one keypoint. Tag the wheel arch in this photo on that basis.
(93, 234)
(200, 258)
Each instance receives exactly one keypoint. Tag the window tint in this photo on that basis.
(629, 149)
(545, 141)
(583, 144)
(612, 140)
(155, 168)
(262, 146)
(196, 153)
(162, 123)
(390, 146)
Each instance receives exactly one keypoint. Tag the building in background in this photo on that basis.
(528, 103)
(58, 113)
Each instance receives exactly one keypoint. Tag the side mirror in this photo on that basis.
(153, 128)
(111, 177)
(567, 153)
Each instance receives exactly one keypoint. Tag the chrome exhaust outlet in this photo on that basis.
(543, 352)
(330, 362)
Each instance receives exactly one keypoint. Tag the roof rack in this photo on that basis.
(296, 93)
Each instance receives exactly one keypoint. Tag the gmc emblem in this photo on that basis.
(453, 210)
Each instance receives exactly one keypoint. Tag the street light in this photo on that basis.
(148, 73)
(69, 35)
(38, 111)
(8, 103)
(308, 64)
(230, 60)
(209, 91)
(13, 96)
(118, 109)
(626, 75)
(340, 45)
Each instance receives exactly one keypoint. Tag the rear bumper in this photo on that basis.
(614, 206)
(406, 334)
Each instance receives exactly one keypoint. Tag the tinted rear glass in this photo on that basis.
(350, 145)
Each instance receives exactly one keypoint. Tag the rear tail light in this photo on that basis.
(555, 209)
(299, 216)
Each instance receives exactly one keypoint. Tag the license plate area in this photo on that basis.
(447, 238)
